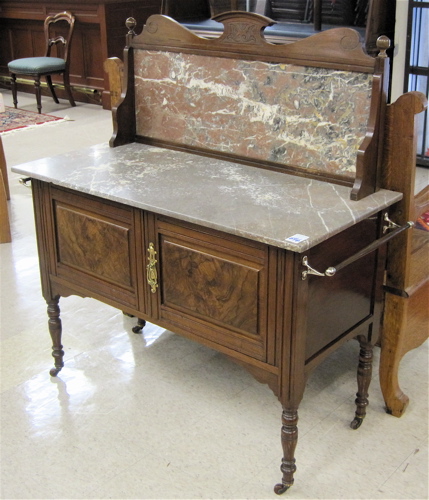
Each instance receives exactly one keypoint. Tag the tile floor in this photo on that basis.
(157, 416)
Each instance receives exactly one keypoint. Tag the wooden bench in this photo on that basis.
(406, 309)
(239, 204)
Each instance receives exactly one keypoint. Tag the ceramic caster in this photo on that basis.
(53, 372)
(280, 488)
(139, 327)
(356, 423)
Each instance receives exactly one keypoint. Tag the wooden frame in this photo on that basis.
(406, 314)
(335, 49)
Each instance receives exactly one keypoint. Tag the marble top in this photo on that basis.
(247, 201)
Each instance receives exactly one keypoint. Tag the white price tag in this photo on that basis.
(297, 238)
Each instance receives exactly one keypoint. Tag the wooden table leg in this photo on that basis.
(55, 330)
(289, 442)
(364, 375)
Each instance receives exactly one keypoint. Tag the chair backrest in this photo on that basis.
(58, 33)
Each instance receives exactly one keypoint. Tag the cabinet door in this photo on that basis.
(95, 247)
(214, 286)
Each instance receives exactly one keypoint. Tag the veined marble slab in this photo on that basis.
(310, 118)
(258, 204)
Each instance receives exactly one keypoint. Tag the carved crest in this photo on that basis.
(241, 33)
(243, 28)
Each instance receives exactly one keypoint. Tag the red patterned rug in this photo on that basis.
(13, 119)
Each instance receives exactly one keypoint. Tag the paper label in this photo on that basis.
(297, 238)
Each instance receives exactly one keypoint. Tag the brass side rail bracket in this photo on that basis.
(332, 270)
(25, 181)
(390, 224)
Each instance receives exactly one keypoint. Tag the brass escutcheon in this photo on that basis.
(152, 276)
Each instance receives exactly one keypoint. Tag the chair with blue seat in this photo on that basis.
(56, 64)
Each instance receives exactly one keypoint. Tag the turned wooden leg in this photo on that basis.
(68, 89)
(55, 330)
(51, 88)
(38, 93)
(364, 374)
(289, 440)
(14, 90)
(140, 325)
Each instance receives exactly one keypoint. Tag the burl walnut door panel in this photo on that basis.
(95, 246)
(215, 287)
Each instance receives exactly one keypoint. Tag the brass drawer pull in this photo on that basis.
(152, 276)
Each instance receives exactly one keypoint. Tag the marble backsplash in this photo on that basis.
(306, 117)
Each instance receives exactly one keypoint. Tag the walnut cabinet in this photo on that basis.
(244, 298)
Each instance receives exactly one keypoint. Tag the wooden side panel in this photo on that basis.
(352, 290)
(398, 174)
(88, 67)
(405, 323)
(24, 42)
(216, 288)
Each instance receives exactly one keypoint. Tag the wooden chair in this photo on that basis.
(5, 236)
(406, 307)
(48, 64)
